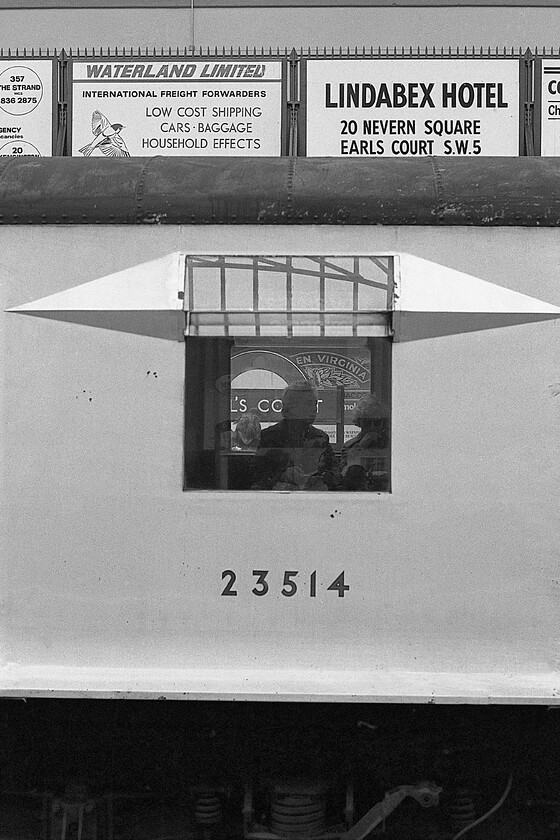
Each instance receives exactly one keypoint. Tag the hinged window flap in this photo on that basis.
(288, 295)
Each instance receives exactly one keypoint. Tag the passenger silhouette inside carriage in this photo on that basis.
(247, 433)
(294, 454)
(362, 460)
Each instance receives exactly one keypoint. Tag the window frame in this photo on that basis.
(200, 462)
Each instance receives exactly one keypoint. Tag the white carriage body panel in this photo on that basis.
(112, 574)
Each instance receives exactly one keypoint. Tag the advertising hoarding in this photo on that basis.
(411, 107)
(137, 106)
(27, 106)
(548, 107)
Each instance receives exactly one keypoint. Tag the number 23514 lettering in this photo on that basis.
(289, 584)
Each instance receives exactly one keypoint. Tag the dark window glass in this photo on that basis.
(288, 414)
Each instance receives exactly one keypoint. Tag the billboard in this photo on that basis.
(27, 106)
(547, 88)
(411, 107)
(139, 106)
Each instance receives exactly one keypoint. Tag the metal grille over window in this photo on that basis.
(288, 296)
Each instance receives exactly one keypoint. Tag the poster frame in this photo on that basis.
(281, 58)
(55, 100)
(538, 115)
(415, 56)
(537, 121)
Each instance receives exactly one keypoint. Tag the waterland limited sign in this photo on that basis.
(139, 107)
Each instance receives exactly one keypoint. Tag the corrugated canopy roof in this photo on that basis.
(487, 192)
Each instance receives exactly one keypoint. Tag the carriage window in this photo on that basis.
(287, 390)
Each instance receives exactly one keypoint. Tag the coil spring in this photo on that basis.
(208, 807)
(298, 814)
(462, 810)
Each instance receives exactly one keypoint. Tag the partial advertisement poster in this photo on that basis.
(27, 106)
(341, 378)
(411, 107)
(548, 108)
(139, 107)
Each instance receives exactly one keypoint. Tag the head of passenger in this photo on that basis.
(299, 402)
(355, 478)
(371, 416)
(248, 429)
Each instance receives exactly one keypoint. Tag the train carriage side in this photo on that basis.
(155, 547)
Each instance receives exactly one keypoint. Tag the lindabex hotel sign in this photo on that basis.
(412, 107)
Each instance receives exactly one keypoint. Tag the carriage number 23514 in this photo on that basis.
(288, 586)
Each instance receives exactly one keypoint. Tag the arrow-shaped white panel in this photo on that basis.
(433, 300)
(145, 299)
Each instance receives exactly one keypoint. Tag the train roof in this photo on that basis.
(488, 192)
